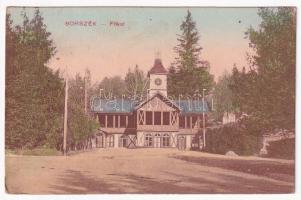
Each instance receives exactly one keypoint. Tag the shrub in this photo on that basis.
(282, 149)
(232, 138)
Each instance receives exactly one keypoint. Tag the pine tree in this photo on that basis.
(188, 74)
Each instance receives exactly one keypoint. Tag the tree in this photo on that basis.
(80, 125)
(135, 83)
(112, 87)
(274, 68)
(189, 73)
(34, 93)
(223, 96)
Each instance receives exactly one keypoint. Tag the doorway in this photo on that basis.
(181, 142)
(157, 140)
(123, 141)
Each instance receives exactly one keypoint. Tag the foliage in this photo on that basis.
(188, 74)
(135, 83)
(267, 92)
(284, 149)
(80, 125)
(34, 93)
(112, 87)
(235, 138)
(223, 96)
(35, 152)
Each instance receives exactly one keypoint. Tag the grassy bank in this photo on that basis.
(33, 152)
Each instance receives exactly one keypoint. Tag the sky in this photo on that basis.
(142, 35)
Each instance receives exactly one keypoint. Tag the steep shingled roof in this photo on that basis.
(157, 68)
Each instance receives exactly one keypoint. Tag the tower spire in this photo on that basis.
(158, 55)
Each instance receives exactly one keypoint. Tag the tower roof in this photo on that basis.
(157, 68)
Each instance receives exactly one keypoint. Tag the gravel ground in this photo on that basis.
(163, 171)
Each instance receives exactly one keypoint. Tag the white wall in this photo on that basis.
(116, 140)
(140, 139)
(188, 142)
(228, 118)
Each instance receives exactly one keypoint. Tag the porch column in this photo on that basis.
(106, 121)
(126, 121)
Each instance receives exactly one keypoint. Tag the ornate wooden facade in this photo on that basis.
(156, 122)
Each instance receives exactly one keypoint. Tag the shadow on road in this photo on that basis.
(270, 169)
(77, 182)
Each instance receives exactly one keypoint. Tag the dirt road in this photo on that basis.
(147, 171)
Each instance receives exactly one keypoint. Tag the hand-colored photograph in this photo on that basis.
(150, 100)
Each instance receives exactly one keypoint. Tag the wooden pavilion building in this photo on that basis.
(156, 122)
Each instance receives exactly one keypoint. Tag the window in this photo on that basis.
(166, 118)
(99, 141)
(123, 141)
(182, 121)
(188, 122)
(194, 120)
(195, 142)
(149, 118)
(102, 120)
(122, 121)
(201, 142)
(110, 141)
(157, 118)
(148, 140)
(116, 120)
(131, 121)
(165, 140)
(110, 121)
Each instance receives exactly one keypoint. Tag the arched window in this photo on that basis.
(148, 140)
(165, 140)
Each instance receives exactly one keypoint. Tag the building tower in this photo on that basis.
(157, 79)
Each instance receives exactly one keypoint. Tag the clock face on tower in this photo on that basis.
(158, 81)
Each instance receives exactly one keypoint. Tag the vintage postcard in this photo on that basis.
(150, 100)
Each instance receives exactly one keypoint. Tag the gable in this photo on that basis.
(158, 104)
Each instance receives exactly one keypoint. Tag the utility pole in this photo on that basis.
(86, 97)
(65, 118)
(204, 125)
